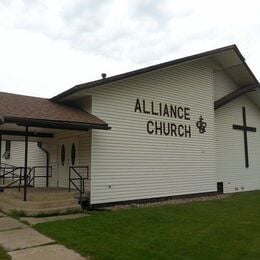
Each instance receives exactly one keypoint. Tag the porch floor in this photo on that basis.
(40, 201)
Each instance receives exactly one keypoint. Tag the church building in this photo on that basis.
(190, 126)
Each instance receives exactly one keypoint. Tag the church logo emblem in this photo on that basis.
(201, 125)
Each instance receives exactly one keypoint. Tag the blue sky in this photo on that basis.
(47, 46)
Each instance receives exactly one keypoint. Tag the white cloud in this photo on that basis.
(47, 46)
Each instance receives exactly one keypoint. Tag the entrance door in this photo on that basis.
(68, 156)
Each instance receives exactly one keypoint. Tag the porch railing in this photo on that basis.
(16, 175)
(34, 173)
(13, 173)
(6, 170)
(76, 179)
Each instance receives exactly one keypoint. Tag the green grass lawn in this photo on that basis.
(218, 229)
(3, 255)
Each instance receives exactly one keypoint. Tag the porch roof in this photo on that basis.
(41, 112)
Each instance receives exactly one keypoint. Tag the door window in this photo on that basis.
(62, 154)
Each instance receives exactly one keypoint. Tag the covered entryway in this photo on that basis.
(40, 120)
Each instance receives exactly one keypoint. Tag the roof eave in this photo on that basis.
(100, 82)
(55, 124)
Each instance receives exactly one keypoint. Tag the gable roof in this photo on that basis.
(234, 70)
(34, 111)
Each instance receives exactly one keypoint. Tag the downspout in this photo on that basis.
(39, 144)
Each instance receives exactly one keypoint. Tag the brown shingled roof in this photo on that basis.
(31, 110)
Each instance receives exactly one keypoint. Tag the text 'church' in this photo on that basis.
(184, 127)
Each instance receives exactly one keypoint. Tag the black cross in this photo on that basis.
(245, 128)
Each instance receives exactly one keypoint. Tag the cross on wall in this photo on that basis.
(245, 129)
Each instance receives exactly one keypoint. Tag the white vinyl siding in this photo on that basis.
(223, 85)
(85, 156)
(127, 162)
(230, 155)
(36, 157)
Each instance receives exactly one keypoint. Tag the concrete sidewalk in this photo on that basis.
(33, 221)
(23, 242)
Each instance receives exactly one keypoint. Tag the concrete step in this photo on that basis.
(39, 201)
(56, 210)
(7, 208)
(39, 204)
(40, 196)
